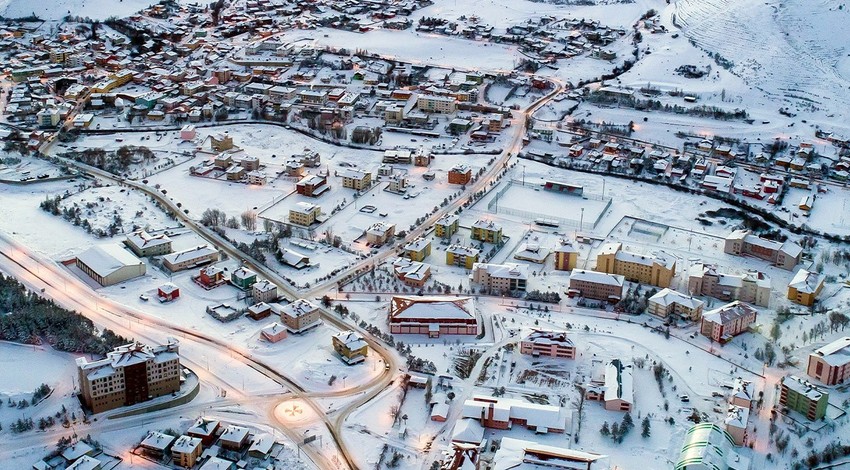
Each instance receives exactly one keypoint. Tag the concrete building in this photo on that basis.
(234, 437)
(728, 321)
(418, 249)
(144, 244)
(616, 389)
(193, 257)
(264, 291)
(517, 454)
(802, 396)
(274, 332)
(805, 287)
(355, 179)
(657, 270)
(204, 429)
(785, 255)
(447, 226)
(412, 273)
(504, 413)
(830, 364)
(155, 444)
(221, 142)
(596, 286)
(350, 346)
(433, 315)
(507, 277)
(130, 374)
(736, 424)
(566, 256)
(304, 214)
(462, 256)
(243, 278)
(436, 104)
(379, 233)
(186, 451)
(487, 231)
(110, 264)
(743, 393)
(753, 287)
(312, 185)
(668, 301)
(211, 276)
(460, 174)
(708, 447)
(531, 252)
(298, 316)
(548, 344)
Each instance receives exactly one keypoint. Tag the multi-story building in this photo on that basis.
(48, 117)
(519, 454)
(804, 287)
(264, 291)
(657, 270)
(595, 285)
(742, 393)
(785, 255)
(728, 321)
(144, 244)
(186, 450)
(447, 226)
(668, 301)
(460, 174)
(736, 423)
(433, 315)
(243, 278)
(298, 316)
(462, 256)
(707, 446)
(616, 389)
(412, 273)
(234, 437)
(304, 213)
(130, 374)
(503, 413)
(548, 343)
(487, 231)
(190, 258)
(418, 249)
(802, 396)
(830, 364)
(436, 104)
(204, 429)
(507, 277)
(350, 346)
(221, 142)
(753, 287)
(312, 185)
(355, 178)
(379, 233)
(566, 256)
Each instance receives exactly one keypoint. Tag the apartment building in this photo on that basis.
(243, 278)
(566, 256)
(447, 226)
(830, 364)
(802, 396)
(186, 450)
(298, 316)
(805, 287)
(462, 256)
(436, 104)
(657, 270)
(380, 233)
(190, 258)
(728, 321)
(418, 249)
(130, 374)
(785, 255)
(355, 179)
(754, 287)
(507, 277)
(549, 344)
(350, 346)
(596, 285)
(263, 291)
(144, 244)
(304, 214)
(460, 174)
(668, 301)
(487, 231)
(312, 185)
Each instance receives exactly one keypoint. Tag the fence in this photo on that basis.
(493, 206)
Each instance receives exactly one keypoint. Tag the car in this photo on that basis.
(716, 394)
(387, 366)
(144, 297)
(684, 398)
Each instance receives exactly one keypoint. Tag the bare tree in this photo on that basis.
(249, 220)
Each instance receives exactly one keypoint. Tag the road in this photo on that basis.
(39, 273)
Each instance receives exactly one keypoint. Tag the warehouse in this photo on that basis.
(110, 264)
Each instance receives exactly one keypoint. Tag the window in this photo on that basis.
(819, 368)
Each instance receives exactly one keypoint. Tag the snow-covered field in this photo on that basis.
(58, 9)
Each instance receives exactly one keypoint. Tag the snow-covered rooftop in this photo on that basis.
(106, 259)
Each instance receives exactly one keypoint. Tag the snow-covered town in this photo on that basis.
(424, 234)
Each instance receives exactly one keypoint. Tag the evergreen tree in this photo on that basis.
(645, 425)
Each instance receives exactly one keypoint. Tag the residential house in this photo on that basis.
(379, 233)
(460, 174)
(263, 291)
(355, 179)
(298, 316)
(234, 438)
(566, 256)
(274, 332)
(804, 287)
(350, 346)
(312, 185)
(211, 276)
(243, 278)
(186, 451)
(204, 429)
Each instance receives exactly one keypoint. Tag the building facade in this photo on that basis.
(830, 364)
(548, 344)
(728, 321)
(801, 396)
(657, 270)
(595, 285)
